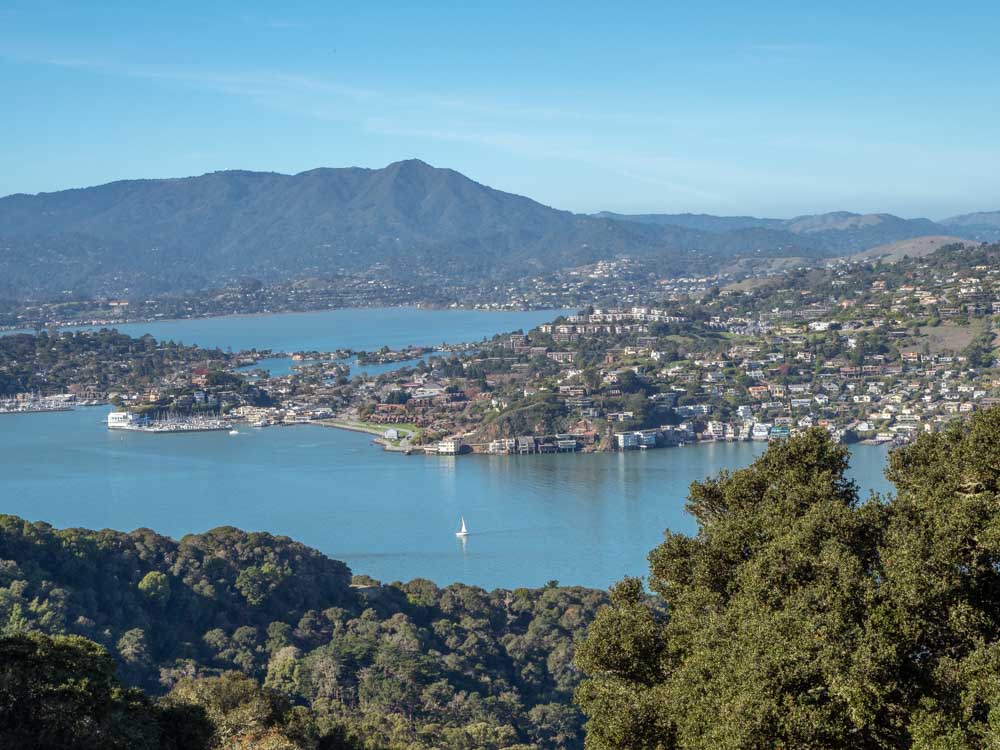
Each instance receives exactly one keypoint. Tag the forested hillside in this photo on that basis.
(401, 665)
(804, 616)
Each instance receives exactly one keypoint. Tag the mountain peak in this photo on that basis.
(403, 166)
(411, 164)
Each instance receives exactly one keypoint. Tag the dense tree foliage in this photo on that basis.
(61, 693)
(802, 616)
(229, 613)
(105, 359)
(979, 352)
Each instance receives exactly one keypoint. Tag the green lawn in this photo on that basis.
(373, 427)
(406, 427)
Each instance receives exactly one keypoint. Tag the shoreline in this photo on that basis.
(392, 448)
(349, 426)
(387, 446)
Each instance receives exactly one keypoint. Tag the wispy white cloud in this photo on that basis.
(649, 169)
(540, 133)
(251, 83)
(473, 106)
(256, 83)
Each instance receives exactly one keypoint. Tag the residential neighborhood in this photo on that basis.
(870, 351)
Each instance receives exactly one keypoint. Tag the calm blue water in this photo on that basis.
(356, 328)
(578, 519)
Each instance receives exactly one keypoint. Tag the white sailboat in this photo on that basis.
(463, 532)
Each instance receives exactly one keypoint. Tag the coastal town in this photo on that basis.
(606, 282)
(871, 351)
(875, 352)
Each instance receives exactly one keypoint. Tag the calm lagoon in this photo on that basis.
(366, 328)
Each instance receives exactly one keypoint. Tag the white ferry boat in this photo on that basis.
(125, 420)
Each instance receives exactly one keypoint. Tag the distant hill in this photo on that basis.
(836, 233)
(845, 221)
(700, 222)
(407, 220)
(978, 219)
(983, 226)
(915, 248)
(847, 232)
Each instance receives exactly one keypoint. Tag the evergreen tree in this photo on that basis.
(801, 617)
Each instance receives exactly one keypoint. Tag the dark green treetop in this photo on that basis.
(801, 617)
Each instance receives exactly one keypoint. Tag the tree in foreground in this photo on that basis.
(61, 693)
(800, 616)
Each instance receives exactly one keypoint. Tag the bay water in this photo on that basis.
(578, 519)
(362, 328)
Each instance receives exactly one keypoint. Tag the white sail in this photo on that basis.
(464, 531)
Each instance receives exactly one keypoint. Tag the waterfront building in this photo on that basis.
(626, 440)
(121, 420)
(450, 446)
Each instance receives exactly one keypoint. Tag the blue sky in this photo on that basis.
(747, 107)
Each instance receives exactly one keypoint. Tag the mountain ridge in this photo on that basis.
(975, 219)
(802, 224)
(408, 219)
